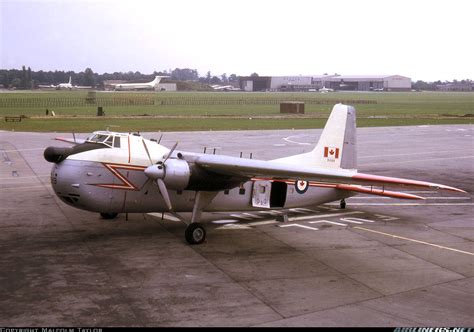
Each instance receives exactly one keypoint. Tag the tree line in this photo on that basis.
(25, 78)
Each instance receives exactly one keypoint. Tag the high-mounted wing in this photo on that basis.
(249, 168)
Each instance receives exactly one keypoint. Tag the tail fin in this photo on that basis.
(70, 80)
(336, 147)
(158, 79)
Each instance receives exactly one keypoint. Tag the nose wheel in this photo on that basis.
(195, 233)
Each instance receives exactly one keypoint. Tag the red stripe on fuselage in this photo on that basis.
(126, 184)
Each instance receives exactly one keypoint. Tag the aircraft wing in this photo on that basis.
(249, 168)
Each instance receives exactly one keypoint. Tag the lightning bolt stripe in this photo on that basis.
(126, 184)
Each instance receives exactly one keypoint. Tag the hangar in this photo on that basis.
(336, 82)
(369, 83)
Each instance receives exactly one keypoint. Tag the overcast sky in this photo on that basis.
(426, 40)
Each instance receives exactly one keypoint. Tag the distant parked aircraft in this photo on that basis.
(224, 88)
(138, 86)
(64, 86)
(324, 89)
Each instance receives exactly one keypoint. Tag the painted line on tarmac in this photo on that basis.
(412, 154)
(329, 215)
(18, 150)
(301, 226)
(328, 222)
(413, 240)
(415, 160)
(289, 140)
(258, 223)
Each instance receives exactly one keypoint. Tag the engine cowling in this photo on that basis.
(175, 173)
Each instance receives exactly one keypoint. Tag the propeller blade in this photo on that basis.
(147, 152)
(164, 193)
(171, 152)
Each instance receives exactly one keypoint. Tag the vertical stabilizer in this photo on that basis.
(336, 147)
(70, 80)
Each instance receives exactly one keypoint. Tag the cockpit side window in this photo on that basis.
(109, 141)
(117, 142)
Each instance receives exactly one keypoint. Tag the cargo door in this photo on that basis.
(261, 194)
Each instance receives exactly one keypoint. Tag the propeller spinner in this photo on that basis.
(169, 173)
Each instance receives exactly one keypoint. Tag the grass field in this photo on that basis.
(166, 111)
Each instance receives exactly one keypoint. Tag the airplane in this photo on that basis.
(112, 173)
(138, 86)
(224, 88)
(324, 89)
(66, 86)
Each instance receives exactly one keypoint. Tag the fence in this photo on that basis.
(52, 102)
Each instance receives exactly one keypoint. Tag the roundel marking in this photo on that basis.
(301, 186)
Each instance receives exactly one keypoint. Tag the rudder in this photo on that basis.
(336, 147)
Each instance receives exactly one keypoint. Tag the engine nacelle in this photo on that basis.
(177, 174)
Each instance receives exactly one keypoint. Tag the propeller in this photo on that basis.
(157, 172)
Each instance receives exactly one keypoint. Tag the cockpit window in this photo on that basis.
(108, 139)
(116, 142)
(101, 138)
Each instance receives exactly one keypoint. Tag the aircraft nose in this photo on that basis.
(56, 154)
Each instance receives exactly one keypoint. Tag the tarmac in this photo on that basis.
(379, 262)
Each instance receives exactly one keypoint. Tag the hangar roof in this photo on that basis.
(364, 77)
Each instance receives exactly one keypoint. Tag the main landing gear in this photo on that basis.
(195, 233)
(343, 204)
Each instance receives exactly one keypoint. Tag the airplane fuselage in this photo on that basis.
(112, 179)
(118, 188)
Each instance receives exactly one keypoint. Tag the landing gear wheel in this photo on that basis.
(343, 204)
(195, 234)
(108, 215)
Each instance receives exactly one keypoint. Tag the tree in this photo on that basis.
(89, 77)
(233, 78)
(24, 78)
(29, 80)
(254, 75)
(184, 74)
(224, 78)
(16, 83)
(215, 80)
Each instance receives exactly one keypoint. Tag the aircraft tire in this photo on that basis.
(108, 215)
(195, 234)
